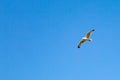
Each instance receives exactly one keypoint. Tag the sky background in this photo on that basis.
(38, 40)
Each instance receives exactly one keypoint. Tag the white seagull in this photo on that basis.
(86, 38)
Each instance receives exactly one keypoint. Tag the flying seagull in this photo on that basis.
(86, 38)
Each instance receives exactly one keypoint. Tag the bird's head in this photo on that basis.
(90, 40)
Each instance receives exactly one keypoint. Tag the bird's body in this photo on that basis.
(86, 38)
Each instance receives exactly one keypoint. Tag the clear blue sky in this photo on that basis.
(38, 40)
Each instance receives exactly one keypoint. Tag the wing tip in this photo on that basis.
(78, 46)
(93, 29)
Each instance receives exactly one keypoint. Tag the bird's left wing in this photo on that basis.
(80, 43)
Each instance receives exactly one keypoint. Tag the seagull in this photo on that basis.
(86, 38)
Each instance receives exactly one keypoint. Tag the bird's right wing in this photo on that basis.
(80, 43)
(88, 34)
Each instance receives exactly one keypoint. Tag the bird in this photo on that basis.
(86, 38)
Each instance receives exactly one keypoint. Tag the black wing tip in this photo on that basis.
(93, 29)
(78, 46)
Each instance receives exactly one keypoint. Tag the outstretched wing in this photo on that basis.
(88, 34)
(80, 43)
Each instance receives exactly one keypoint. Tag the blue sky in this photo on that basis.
(38, 40)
